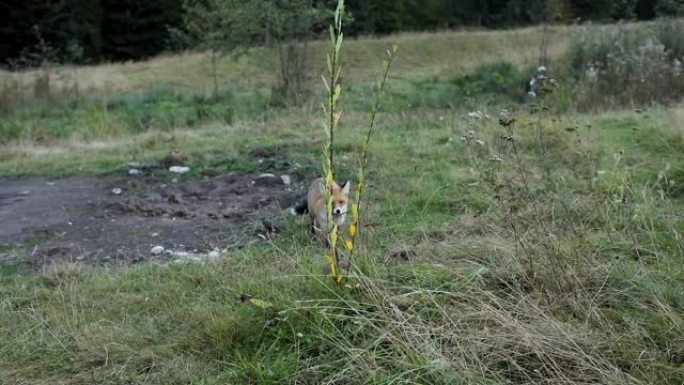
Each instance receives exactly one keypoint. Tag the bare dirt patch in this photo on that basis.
(87, 219)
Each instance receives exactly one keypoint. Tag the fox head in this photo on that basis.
(340, 196)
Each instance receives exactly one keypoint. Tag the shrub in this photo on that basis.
(631, 65)
(503, 79)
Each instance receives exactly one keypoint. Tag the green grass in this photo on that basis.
(525, 272)
(100, 135)
(162, 109)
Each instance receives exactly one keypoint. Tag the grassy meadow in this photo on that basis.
(542, 244)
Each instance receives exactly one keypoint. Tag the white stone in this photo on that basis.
(179, 169)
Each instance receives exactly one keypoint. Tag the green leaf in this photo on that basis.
(339, 43)
(338, 12)
(336, 93)
(332, 36)
(260, 303)
(325, 82)
(336, 117)
(333, 236)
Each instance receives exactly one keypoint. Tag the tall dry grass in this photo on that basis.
(435, 54)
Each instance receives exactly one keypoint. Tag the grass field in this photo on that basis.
(548, 250)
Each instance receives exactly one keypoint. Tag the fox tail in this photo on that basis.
(300, 205)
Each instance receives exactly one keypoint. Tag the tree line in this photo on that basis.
(90, 31)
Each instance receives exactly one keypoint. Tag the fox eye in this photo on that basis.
(340, 202)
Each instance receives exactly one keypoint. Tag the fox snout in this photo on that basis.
(337, 211)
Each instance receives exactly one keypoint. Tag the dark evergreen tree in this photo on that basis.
(645, 9)
(669, 8)
(79, 31)
(133, 29)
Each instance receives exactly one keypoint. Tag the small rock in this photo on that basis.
(174, 180)
(267, 179)
(185, 256)
(179, 169)
(116, 191)
(157, 250)
(286, 179)
(214, 254)
(180, 254)
(134, 172)
(134, 164)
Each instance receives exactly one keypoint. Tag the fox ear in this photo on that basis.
(345, 187)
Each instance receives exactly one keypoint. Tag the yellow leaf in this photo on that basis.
(348, 244)
(352, 230)
(355, 210)
(260, 303)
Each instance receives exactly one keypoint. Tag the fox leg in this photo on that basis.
(312, 225)
(319, 233)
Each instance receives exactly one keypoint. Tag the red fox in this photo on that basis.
(315, 205)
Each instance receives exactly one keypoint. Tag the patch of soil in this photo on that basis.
(82, 219)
